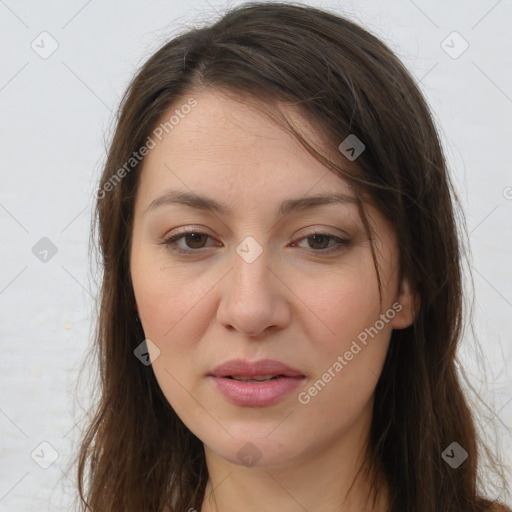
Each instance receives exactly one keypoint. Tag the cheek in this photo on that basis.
(173, 315)
(176, 316)
(337, 306)
(347, 365)
(168, 296)
(348, 339)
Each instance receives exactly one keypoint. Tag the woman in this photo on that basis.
(281, 302)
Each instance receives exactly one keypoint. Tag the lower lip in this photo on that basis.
(256, 394)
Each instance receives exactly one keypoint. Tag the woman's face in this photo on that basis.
(256, 284)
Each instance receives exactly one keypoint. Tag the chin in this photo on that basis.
(258, 452)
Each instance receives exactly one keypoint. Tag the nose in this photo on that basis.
(254, 299)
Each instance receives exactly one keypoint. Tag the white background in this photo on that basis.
(56, 117)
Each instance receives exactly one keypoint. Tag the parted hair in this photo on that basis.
(136, 455)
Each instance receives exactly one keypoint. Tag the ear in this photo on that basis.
(408, 304)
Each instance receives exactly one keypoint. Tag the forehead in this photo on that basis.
(230, 147)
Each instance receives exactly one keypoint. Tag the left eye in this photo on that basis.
(195, 241)
(321, 238)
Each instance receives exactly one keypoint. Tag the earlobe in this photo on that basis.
(409, 302)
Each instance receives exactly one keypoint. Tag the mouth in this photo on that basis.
(264, 378)
(255, 383)
(260, 391)
(264, 370)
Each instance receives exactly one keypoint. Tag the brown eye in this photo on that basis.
(320, 242)
(194, 241)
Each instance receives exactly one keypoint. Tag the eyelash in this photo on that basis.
(171, 242)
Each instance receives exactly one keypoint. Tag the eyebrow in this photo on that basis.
(205, 203)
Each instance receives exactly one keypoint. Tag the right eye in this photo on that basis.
(194, 240)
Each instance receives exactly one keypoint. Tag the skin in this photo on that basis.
(293, 303)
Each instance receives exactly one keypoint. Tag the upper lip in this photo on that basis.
(244, 368)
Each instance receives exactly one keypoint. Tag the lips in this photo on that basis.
(256, 379)
(266, 369)
(257, 384)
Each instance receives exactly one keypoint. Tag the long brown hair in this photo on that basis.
(136, 454)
